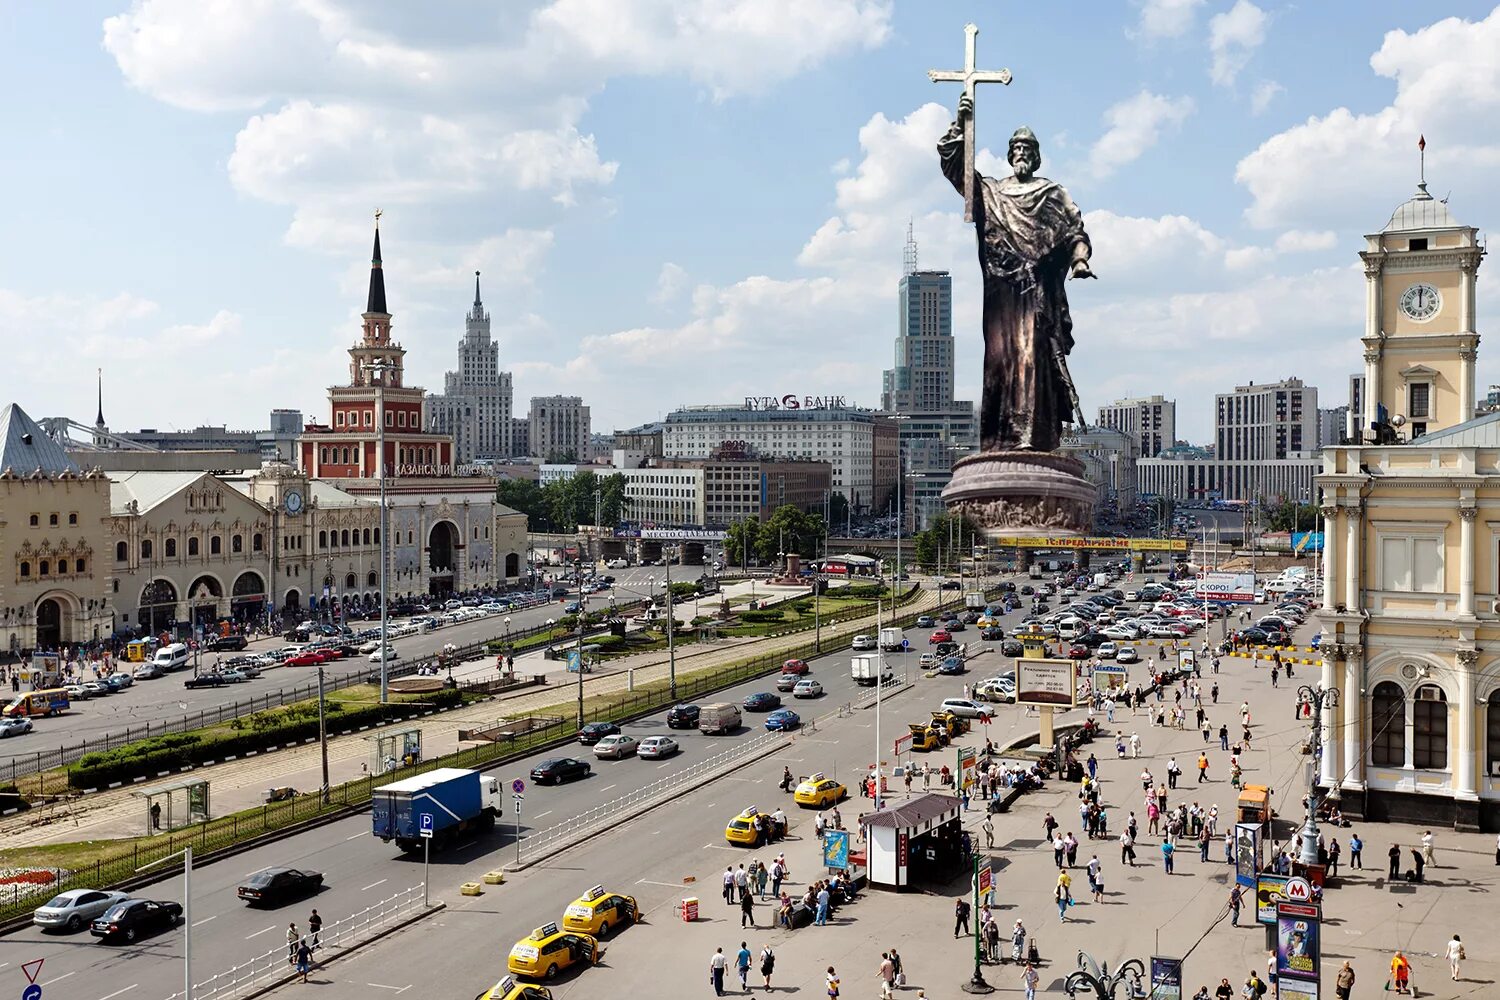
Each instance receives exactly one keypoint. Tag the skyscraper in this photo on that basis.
(1151, 420)
(476, 403)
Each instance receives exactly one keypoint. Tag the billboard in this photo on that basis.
(1233, 588)
(1269, 890)
(1298, 941)
(1166, 978)
(1307, 541)
(1247, 850)
(684, 534)
(1104, 544)
(1046, 682)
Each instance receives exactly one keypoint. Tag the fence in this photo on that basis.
(274, 964)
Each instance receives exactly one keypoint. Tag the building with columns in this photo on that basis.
(1411, 586)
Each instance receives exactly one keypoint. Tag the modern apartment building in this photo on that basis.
(1150, 420)
(559, 427)
(1257, 423)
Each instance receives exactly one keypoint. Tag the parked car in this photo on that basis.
(962, 707)
(273, 886)
(135, 918)
(71, 910)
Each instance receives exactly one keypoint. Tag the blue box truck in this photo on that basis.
(459, 800)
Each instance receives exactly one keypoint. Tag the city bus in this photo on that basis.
(49, 701)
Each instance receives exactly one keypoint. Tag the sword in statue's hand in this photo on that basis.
(969, 76)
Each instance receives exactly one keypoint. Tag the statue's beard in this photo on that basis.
(1024, 164)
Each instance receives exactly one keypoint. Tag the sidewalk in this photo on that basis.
(241, 784)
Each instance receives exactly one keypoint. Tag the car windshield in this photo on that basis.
(61, 902)
(115, 912)
(260, 878)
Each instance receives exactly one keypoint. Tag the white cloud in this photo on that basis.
(1304, 241)
(1233, 37)
(1342, 170)
(671, 282)
(1248, 258)
(1133, 126)
(1265, 92)
(1166, 18)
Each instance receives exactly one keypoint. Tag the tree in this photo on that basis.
(740, 540)
(1287, 516)
(612, 500)
(947, 539)
(528, 498)
(838, 512)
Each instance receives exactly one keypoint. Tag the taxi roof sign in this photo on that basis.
(815, 777)
(544, 931)
(595, 893)
(502, 988)
(751, 811)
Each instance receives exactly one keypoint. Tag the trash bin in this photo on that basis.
(690, 909)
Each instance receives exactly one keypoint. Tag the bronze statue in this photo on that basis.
(1031, 240)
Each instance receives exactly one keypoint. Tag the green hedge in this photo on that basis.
(858, 590)
(177, 750)
(761, 617)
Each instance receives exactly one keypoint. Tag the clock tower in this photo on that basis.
(1421, 340)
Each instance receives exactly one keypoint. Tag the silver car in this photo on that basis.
(75, 909)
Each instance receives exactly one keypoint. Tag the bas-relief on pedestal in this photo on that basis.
(1017, 493)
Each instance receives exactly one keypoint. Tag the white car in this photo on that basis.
(807, 688)
(1127, 654)
(617, 564)
(146, 672)
(1106, 650)
(390, 655)
(618, 745)
(864, 642)
(656, 747)
(74, 909)
(927, 661)
(15, 727)
(996, 689)
(962, 706)
(77, 692)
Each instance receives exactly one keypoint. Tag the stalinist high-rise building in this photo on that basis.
(475, 407)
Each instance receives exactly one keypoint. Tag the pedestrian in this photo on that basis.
(729, 885)
(1060, 893)
(1418, 862)
(1334, 850)
(988, 826)
(292, 937)
(1355, 847)
(886, 973)
(1048, 825)
(315, 927)
(1400, 972)
(824, 897)
(896, 965)
(1166, 856)
(1127, 848)
(1059, 848)
(778, 872)
(960, 918)
(767, 965)
(832, 981)
(1394, 854)
(742, 966)
(747, 909)
(1427, 847)
(1071, 843)
(1223, 737)
(716, 967)
(1202, 768)
(304, 959)
(1344, 981)
(1255, 986)
(1455, 954)
(1236, 902)
(1099, 886)
(761, 878)
(1135, 744)
(1275, 674)
(1172, 772)
(1093, 765)
(1029, 980)
(1203, 841)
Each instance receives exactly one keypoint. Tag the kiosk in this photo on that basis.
(919, 839)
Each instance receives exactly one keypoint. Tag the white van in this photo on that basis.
(172, 657)
(719, 718)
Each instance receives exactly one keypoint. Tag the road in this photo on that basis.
(147, 701)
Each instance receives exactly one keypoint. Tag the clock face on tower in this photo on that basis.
(1421, 302)
(293, 502)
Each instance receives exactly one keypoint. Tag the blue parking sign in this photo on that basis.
(424, 824)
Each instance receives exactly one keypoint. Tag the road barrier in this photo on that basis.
(335, 939)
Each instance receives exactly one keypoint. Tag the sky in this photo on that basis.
(679, 202)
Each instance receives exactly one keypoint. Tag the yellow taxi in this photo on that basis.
(508, 989)
(596, 912)
(985, 621)
(953, 725)
(548, 950)
(926, 736)
(741, 829)
(819, 791)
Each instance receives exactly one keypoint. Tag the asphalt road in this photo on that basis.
(165, 698)
(468, 943)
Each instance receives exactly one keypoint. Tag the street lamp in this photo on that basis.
(1317, 698)
(381, 368)
(187, 914)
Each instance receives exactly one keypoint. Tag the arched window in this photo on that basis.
(322, 539)
(1429, 709)
(25, 568)
(1388, 726)
(35, 520)
(192, 546)
(323, 454)
(145, 548)
(367, 536)
(1492, 733)
(78, 566)
(121, 552)
(257, 543)
(344, 538)
(349, 583)
(215, 545)
(62, 567)
(377, 536)
(171, 548)
(373, 580)
(236, 544)
(43, 568)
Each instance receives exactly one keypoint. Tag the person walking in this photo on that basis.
(742, 966)
(886, 973)
(1127, 848)
(1029, 980)
(762, 876)
(1394, 854)
(1236, 902)
(304, 959)
(1098, 883)
(1400, 972)
(1070, 843)
(1455, 954)
(1135, 744)
(716, 967)
(767, 965)
(747, 909)
(292, 937)
(899, 971)
(729, 885)
(1060, 893)
(960, 918)
(988, 826)
(1334, 850)
(1172, 772)
(1202, 767)
(1344, 981)
(742, 882)
(1427, 847)
(314, 928)
(1059, 848)
(831, 982)
(1356, 846)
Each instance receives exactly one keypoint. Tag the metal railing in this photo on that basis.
(279, 962)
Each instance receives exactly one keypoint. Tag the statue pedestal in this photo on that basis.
(1019, 493)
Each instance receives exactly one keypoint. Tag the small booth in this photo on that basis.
(917, 840)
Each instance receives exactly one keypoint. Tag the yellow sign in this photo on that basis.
(1106, 544)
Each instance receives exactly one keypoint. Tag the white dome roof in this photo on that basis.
(1421, 211)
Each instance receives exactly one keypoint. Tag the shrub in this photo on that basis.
(763, 616)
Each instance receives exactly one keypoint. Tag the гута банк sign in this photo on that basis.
(791, 401)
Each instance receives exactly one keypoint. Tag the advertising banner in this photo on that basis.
(1269, 891)
(1046, 682)
(1298, 941)
(1166, 978)
(1246, 853)
(1232, 588)
(1307, 541)
(1094, 544)
(1110, 676)
(836, 849)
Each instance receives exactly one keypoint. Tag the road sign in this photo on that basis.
(1298, 890)
(424, 822)
(906, 644)
(518, 804)
(903, 744)
(32, 992)
(32, 969)
(518, 786)
(984, 880)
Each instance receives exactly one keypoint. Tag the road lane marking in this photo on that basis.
(606, 788)
(355, 837)
(118, 992)
(660, 766)
(59, 979)
(540, 815)
(644, 881)
(260, 932)
(395, 989)
(205, 920)
(374, 884)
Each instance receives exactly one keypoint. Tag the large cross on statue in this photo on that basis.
(969, 76)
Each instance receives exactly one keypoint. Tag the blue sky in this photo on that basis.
(692, 201)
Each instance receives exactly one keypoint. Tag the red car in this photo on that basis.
(1077, 652)
(941, 635)
(306, 658)
(794, 667)
(333, 653)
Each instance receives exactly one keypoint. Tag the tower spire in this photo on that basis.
(477, 303)
(1422, 162)
(99, 420)
(909, 253)
(376, 302)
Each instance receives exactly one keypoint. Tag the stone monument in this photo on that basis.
(1031, 241)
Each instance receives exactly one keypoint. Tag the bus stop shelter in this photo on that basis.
(175, 804)
(916, 840)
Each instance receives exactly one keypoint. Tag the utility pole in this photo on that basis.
(583, 609)
(323, 734)
(382, 368)
(1317, 698)
(671, 628)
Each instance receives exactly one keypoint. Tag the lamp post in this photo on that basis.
(382, 368)
(583, 610)
(1317, 698)
(187, 914)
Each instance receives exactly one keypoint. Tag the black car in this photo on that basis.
(276, 885)
(762, 701)
(560, 769)
(1012, 647)
(950, 585)
(992, 633)
(135, 918)
(953, 625)
(206, 681)
(945, 648)
(1026, 588)
(682, 717)
(951, 665)
(222, 643)
(559, 592)
(596, 731)
(1092, 640)
(969, 617)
